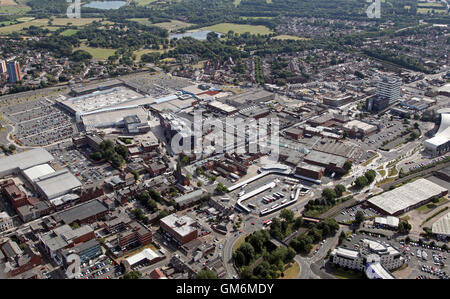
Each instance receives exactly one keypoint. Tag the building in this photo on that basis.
(3, 68)
(19, 261)
(359, 129)
(387, 222)
(136, 234)
(389, 87)
(147, 256)
(6, 222)
(331, 163)
(220, 107)
(57, 184)
(14, 72)
(407, 197)
(86, 251)
(11, 192)
(377, 103)
(441, 228)
(440, 143)
(376, 259)
(24, 160)
(180, 229)
(188, 200)
(294, 133)
(310, 171)
(338, 102)
(87, 212)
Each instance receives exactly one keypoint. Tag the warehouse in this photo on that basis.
(33, 173)
(57, 184)
(22, 161)
(84, 213)
(332, 163)
(441, 227)
(407, 197)
(217, 106)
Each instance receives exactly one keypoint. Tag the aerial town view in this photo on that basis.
(225, 139)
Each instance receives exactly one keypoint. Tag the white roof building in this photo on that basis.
(146, 254)
(57, 184)
(442, 226)
(37, 171)
(19, 162)
(407, 196)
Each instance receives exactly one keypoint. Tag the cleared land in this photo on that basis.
(144, 2)
(69, 32)
(12, 7)
(238, 28)
(292, 271)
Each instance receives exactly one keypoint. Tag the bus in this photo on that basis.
(284, 201)
(243, 186)
(274, 206)
(267, 222)
(241, 194)
(251, 206)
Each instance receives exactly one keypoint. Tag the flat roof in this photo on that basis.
(38, 171)
(83, 211)
(407, 195)
(181, 225)
(24, 160)
(188, 196)
(325, 158)
(347, 253)
(57, 183)
(147, 254)
(360, 125)
(377, 271)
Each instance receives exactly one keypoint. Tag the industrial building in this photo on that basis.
(331, 163)
(24, 160)
(220, 107)
(407, 197)
(441, 227)
(87, 212)
(57, 184)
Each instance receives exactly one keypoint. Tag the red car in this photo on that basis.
(253, 223)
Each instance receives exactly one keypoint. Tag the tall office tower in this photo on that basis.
(389, 87)
(2, 66)
(14, 72)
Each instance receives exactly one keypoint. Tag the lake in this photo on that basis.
(200, 35)
(105, 4)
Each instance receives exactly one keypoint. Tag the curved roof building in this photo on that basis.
(440, 143)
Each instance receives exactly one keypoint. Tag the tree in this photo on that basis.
(370, 175)
(12, 147)
(205, 274)
(298, 222)
(339, 190)
(404, 227)
(239, 259)
(132, 275)
(328, 194)
(361, 182)
(348, 165)
(199, 184)
(135, 174)
(221, 188)
(359, 217)
(247, 250)
(288, 215)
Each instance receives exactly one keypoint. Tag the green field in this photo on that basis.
(25, 19)
(436, 10)
(97, 53)
(238, 28)
(27, 22)
(144, 2)
(141, 52)
(172, 25)
(292, 272)
(14, 10)
(290, 37)
(69, 32)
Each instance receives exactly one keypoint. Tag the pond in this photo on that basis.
(200, 35)
(105, 4)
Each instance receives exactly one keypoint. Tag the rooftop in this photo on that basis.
(407, 195)
(181, 225)
(24, 160)
(57, 183)
(442, 225)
